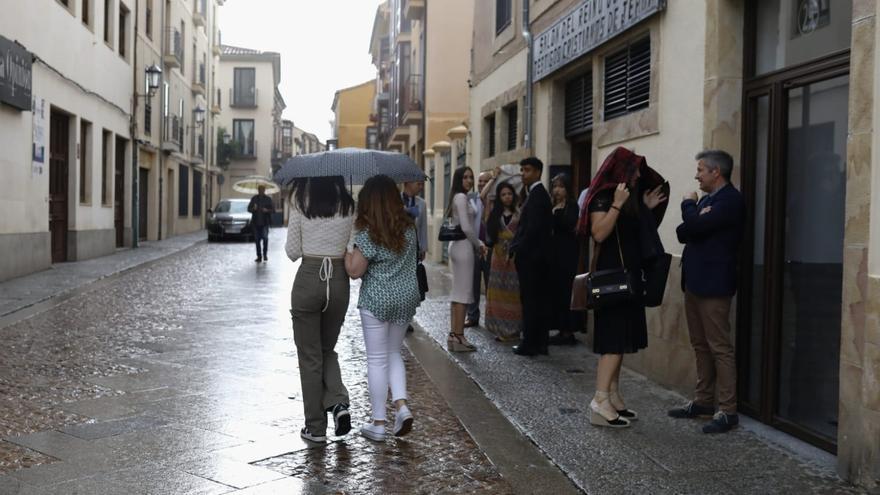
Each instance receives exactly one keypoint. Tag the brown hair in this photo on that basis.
(380, 211)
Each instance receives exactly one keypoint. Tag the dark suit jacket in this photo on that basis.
(712, 242)
(533, 235)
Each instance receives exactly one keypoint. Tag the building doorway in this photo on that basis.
(169, 207)
(59, 166)
(794, 176)
(119, 192)
(795, 125)
(143, 202)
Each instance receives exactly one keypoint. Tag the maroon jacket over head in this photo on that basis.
(621, 166)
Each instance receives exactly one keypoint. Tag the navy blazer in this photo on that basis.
(533, 234)
(712, 243)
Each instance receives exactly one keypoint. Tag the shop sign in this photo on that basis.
(589, 25)
(16, 75)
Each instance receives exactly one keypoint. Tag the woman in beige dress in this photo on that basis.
(462, 255)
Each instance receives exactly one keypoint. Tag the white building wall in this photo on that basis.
(79, 74)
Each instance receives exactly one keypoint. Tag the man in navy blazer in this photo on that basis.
(711, 231)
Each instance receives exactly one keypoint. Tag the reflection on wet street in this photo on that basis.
(181, 377)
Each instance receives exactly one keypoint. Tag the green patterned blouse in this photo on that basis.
(389, 289)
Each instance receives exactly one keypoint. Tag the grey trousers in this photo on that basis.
(315, 333)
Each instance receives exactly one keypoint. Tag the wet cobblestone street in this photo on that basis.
(181, 377)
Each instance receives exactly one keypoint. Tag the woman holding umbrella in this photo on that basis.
(319, 231)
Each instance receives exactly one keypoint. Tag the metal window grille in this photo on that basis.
(579, 105)
(490, 131)
(628, 79)
(183, 191)
(503, 14)
(512, 114)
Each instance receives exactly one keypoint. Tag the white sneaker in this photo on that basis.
(307, 435)
(403, 422)
(375, 433)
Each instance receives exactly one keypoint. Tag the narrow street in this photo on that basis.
(178, 375)
(181, 378)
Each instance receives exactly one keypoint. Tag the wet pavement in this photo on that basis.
(180, 377)
(547, 398)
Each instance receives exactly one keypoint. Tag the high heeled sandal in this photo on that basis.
(628, 414)
(599, 419)
(455, 344)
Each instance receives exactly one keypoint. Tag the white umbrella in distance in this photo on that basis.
(249, 185)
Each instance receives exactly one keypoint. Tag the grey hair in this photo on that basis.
(717, 160)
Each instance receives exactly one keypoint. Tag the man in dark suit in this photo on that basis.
(711, 231)
(530, 248)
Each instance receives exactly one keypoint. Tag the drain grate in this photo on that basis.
(568, 410)
(575, 371)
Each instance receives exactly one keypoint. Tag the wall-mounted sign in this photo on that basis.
(15, 75)
(589, 25)
(38, 159)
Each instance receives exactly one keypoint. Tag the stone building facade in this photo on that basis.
(789, 88)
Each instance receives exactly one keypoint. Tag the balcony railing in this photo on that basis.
(199, 80)
(243, 100)
(246, 149)
(173, 56)
(411, 99)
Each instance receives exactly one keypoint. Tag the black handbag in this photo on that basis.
(450, 233)
(422, 276)
(596, 290)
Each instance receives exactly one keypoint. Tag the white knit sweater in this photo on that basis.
(318, 237)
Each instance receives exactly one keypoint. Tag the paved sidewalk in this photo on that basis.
(547, 398)
(63, 278)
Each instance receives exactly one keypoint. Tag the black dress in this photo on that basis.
(565, 259)
(620, 329)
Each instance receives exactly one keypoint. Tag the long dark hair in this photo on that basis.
(380, 211)
(457, 186)
(322, 197)
(493, 224)
(564, 180)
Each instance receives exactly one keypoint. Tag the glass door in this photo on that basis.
(794, 181)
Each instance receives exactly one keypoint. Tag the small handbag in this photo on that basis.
(422, 276)
(450, 233)
(604, 288)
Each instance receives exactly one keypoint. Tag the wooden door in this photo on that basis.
(143, 202)
(59, 149)
(119, 192)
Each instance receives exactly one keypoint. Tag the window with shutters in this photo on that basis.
(503, 14)
(490, 135)
(627, 84)
(579, 105)
(510, 113)
(197, 193)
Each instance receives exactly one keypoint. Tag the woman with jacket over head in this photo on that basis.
(625, 205)
(319, 230)
(503, 307)
(565, 259)
(384, 255)
(462, 255)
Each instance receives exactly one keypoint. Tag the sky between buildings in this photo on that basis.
(323, 44)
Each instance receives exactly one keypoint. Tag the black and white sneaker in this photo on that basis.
(307, 435)
(341, 419)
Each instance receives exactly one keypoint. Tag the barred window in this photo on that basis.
(490, 133)
(628, 79)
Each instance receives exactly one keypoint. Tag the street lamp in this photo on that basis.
(199, 114)
(154, 78)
